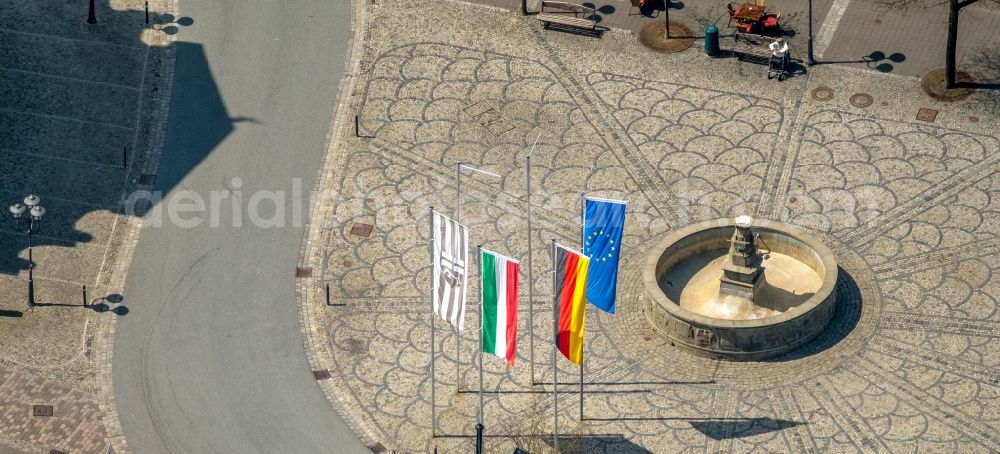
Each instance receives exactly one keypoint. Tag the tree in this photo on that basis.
(954, 7)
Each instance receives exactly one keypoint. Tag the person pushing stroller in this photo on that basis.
(780, 58)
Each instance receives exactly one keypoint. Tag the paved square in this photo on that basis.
(910, 208)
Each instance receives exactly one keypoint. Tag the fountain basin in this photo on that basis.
(796, 303)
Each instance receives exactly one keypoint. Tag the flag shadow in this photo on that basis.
(650, 383)
(542, 391)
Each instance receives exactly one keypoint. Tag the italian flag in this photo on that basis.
(500, 277)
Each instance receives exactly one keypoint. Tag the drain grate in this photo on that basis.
(147, 179)
(822, 93)
(301, 271)
(321, 374)
(355, 347)
(974, 119)
(362, 229)
(377, 448)
(928, 115)
(861, 100)
(41, 410)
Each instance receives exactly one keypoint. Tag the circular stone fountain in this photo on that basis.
(740, 290)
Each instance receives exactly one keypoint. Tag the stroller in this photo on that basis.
(778, 67)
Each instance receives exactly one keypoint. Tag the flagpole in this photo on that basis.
(531, 278)
(479, 425)
(458, 332)
(431, 250)
(458, 219)
(555, 346)
(583, 246)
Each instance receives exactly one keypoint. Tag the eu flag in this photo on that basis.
(603, 221)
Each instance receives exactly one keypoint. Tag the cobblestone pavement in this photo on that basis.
(910, 208)
(80, 111)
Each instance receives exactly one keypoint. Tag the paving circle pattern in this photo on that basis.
(908, 364)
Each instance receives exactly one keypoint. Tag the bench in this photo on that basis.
(750, 47)
(568, 15)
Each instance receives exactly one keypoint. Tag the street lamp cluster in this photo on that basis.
(35, 211)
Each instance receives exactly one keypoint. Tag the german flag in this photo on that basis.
(570, 288)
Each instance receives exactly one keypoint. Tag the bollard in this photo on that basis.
(712, 41)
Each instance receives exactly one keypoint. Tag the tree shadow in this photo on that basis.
(653, 8)
(985, 64)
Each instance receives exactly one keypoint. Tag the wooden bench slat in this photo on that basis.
(567, 14)
(565, 20)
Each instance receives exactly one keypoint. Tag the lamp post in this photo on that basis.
(91, 17)
(35, 213)
(809, 43)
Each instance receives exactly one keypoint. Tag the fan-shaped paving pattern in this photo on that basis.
(908, 365)
(854, 176)
(711, 146)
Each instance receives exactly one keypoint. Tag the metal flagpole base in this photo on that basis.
(479, 438)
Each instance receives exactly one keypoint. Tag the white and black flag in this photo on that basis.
(451, 258)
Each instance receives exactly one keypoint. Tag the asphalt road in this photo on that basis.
(210, 358)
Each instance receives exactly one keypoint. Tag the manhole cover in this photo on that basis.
(822, 93)
(347, 263)
(861, 100)
(321, 374)
(41, 410)
(928, 115)
(361, 229)
(792, 199)
(303, 271)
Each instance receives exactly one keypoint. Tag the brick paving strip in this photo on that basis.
(75, 122)
(662, 132)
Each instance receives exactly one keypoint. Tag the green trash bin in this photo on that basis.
(712, 41)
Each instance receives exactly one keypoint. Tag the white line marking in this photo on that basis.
(71, 79)
(129, 166)
(829, 27)
(60, 158)
(60, 117)
(64, 38)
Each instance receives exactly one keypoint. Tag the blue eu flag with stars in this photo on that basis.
(603, 221)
